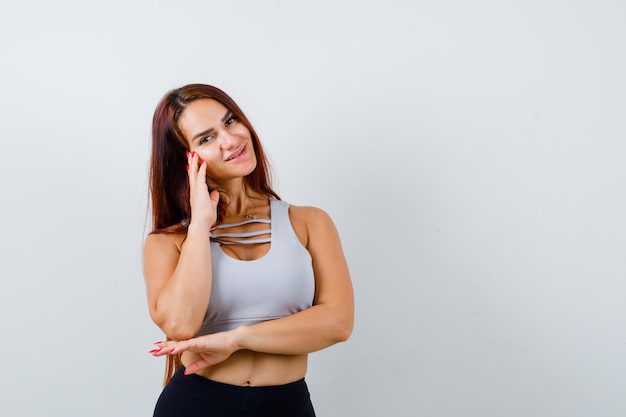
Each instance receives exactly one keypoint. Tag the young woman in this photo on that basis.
(243, 284)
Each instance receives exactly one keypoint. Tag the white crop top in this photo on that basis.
(276, 285)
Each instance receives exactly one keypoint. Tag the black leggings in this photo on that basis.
(196, 396)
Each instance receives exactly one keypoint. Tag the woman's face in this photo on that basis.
(219, 138)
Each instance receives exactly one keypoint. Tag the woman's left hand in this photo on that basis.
(212, 349)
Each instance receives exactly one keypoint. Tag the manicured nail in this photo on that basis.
(172, 351)
(187, 153)
(154, 350)
(193, 154)
(156, 343)
(187, 167)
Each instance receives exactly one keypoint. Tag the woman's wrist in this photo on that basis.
(239, 337)
(200, 225)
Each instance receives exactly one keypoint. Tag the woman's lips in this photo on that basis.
(237, 153)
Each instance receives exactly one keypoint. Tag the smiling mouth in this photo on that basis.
(236, 154)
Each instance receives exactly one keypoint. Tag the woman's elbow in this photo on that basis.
(177, 329)
(342, 329)
(178, 333)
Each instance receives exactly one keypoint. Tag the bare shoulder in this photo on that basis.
(163, 242)
(307, 214)
(161, 252)
(311, 223)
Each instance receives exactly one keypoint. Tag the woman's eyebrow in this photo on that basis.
(228, 113)
(203, 133)
(211, 129)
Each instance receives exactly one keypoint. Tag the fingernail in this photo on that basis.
(187, 167)
(156, 343)
(154, 350)
(187, 153)
(172, 351)
(193, 154)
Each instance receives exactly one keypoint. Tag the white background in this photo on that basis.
(470, 153)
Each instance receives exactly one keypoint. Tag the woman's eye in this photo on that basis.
(230, 121)
(206, 139)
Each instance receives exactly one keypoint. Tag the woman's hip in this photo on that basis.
(194, 395)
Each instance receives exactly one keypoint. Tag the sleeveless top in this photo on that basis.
(276, 285)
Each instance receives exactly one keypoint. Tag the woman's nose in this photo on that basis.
(227, 140)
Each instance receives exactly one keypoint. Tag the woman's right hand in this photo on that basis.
(203, 204)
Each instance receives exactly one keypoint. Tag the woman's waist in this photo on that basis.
(248, 368)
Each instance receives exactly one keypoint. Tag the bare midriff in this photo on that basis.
(248, 368)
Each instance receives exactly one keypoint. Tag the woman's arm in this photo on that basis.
(331, 318)
(178, 271)
(178, 281)
(327, 322)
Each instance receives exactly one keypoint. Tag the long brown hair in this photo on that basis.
(169, 183)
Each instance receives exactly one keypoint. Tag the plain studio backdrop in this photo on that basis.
(471, 153)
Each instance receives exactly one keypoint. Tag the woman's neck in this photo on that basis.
(240, 200)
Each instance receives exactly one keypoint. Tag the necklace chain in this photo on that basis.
(251, 215)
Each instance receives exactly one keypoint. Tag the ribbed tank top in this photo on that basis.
(276, 285)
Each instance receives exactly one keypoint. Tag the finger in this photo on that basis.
(192, 163)
(180, 347)
(189, 167)
(197, 344)
(195, 366)
(202, 169)
(159, 351)
(163, 348)
(215, 197)
(201, 176)
(190, 157)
